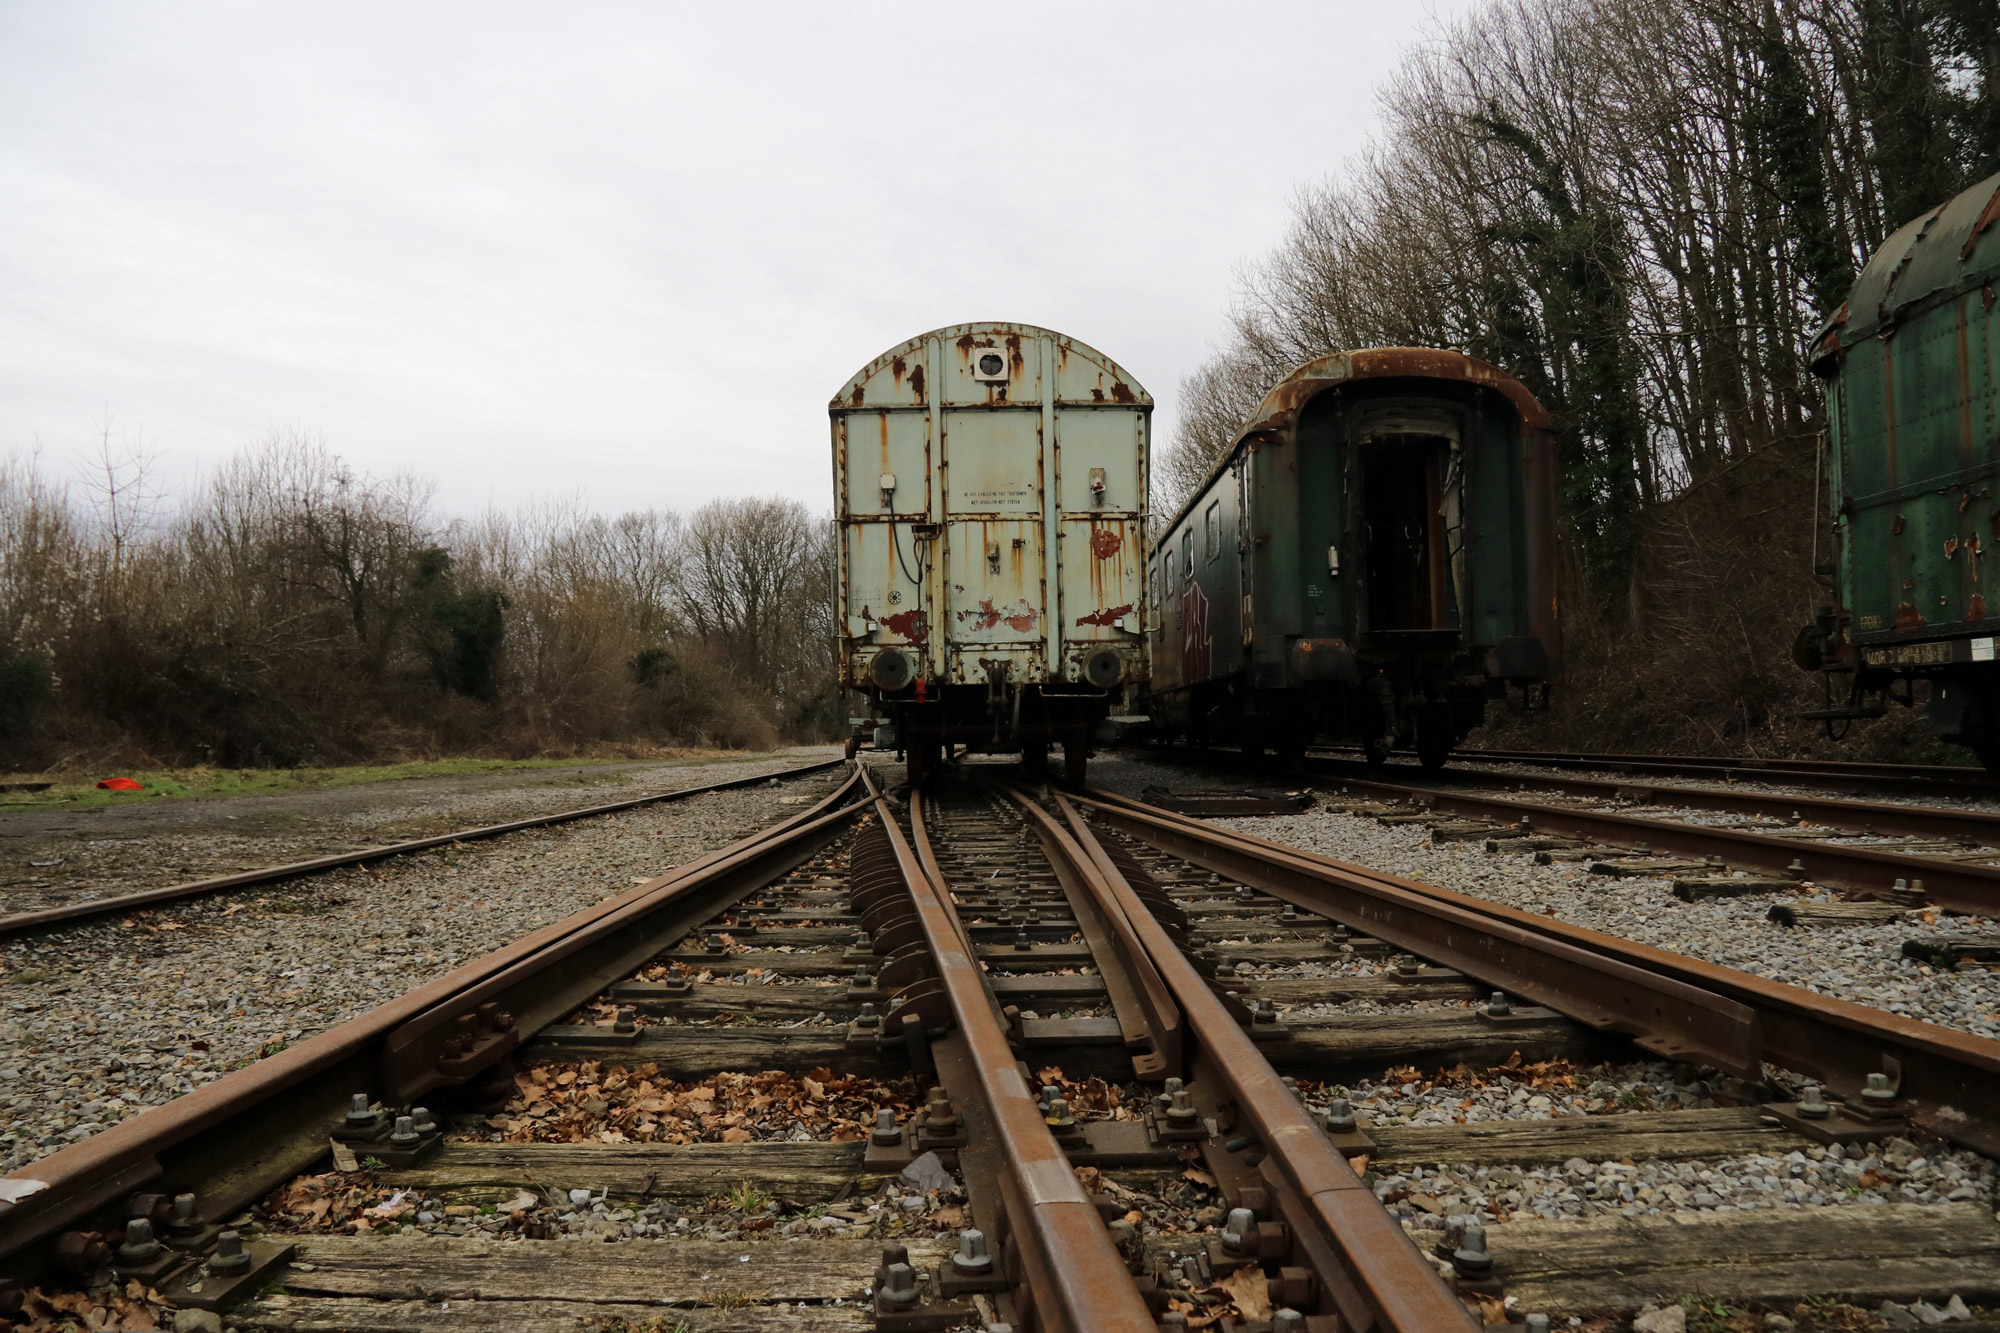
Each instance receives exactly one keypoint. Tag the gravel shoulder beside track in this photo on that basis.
(99, 1022)
(52, 857)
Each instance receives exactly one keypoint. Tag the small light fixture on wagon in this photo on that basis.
(989, 364)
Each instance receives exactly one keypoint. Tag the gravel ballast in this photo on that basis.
(101, 1021)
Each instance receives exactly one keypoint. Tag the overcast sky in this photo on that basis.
(624, 251)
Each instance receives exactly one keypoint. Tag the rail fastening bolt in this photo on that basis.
(715, 944)
(1181, 1108)
(1797, 867)
(1471, 1260)
(426, 1122)
(628, 1019)
(405, 1132)
(358, 1114)
(1172, 1321)
(1021, 940)
(1239, 1232)
(1226, 968)
(899, 1288)
(1498, 1006)
(1538, 1323)
(887, 1133)
(1265, 1013)
(140, 1246)
(1288, 1321)
(868, 1018)
(1340, 1116)
(1058, 1116)
(230, 1256)
(863, 979)
(185, 1217)
(1643, 848)
(1165, 1096)
(1290, 913)
(1877, 1092)
(1244, 893)
(1902, 885)
(974, 1256)
(1812, 1105)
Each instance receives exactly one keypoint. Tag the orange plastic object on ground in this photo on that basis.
(122, 784)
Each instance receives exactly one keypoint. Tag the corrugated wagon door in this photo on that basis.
(1100, 550)
(994, 567)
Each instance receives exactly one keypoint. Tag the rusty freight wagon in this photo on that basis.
(1373, 560)
(1912, 364)
(990, 487)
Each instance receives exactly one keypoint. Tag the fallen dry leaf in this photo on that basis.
(1250, 1289)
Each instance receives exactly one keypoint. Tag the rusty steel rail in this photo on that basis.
(1978, 826)
(1943, 1081)
(1934, 780)
(1974, 889)
(233, 1140)
(1263, 1144)
(1068, 1274)
(24, 922)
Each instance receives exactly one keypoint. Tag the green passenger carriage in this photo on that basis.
(1373, 560)
(1912, 364)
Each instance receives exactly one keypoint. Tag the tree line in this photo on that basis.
(291, 610)
(1642, 209)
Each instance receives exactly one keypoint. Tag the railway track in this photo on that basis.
(1904, 854)
(1935, 781)
(1003, 1057)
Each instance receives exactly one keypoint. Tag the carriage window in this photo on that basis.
(1187, 553)
(1211, 536)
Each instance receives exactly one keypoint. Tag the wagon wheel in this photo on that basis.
(1076, 759)
(1376, 751)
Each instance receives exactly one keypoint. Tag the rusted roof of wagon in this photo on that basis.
(1116, 384)
(1292, 392)
(1949, 250)
(1282, 403)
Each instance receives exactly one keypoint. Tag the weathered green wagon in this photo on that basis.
(1912, 364)
(1373, 560)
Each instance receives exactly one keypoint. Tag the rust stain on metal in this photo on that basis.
(1976, 609)
(860, 394)
(896, 369)
(966, 343)
(1106, 616)
(1096, 395)
(1105, 542)
(1016, 363)
(1950, 547)
(1908, 617)
(1121, 392)
(912, 625)
(1896, 529)
(1987, 217)
(986, 616)
(917, 382)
